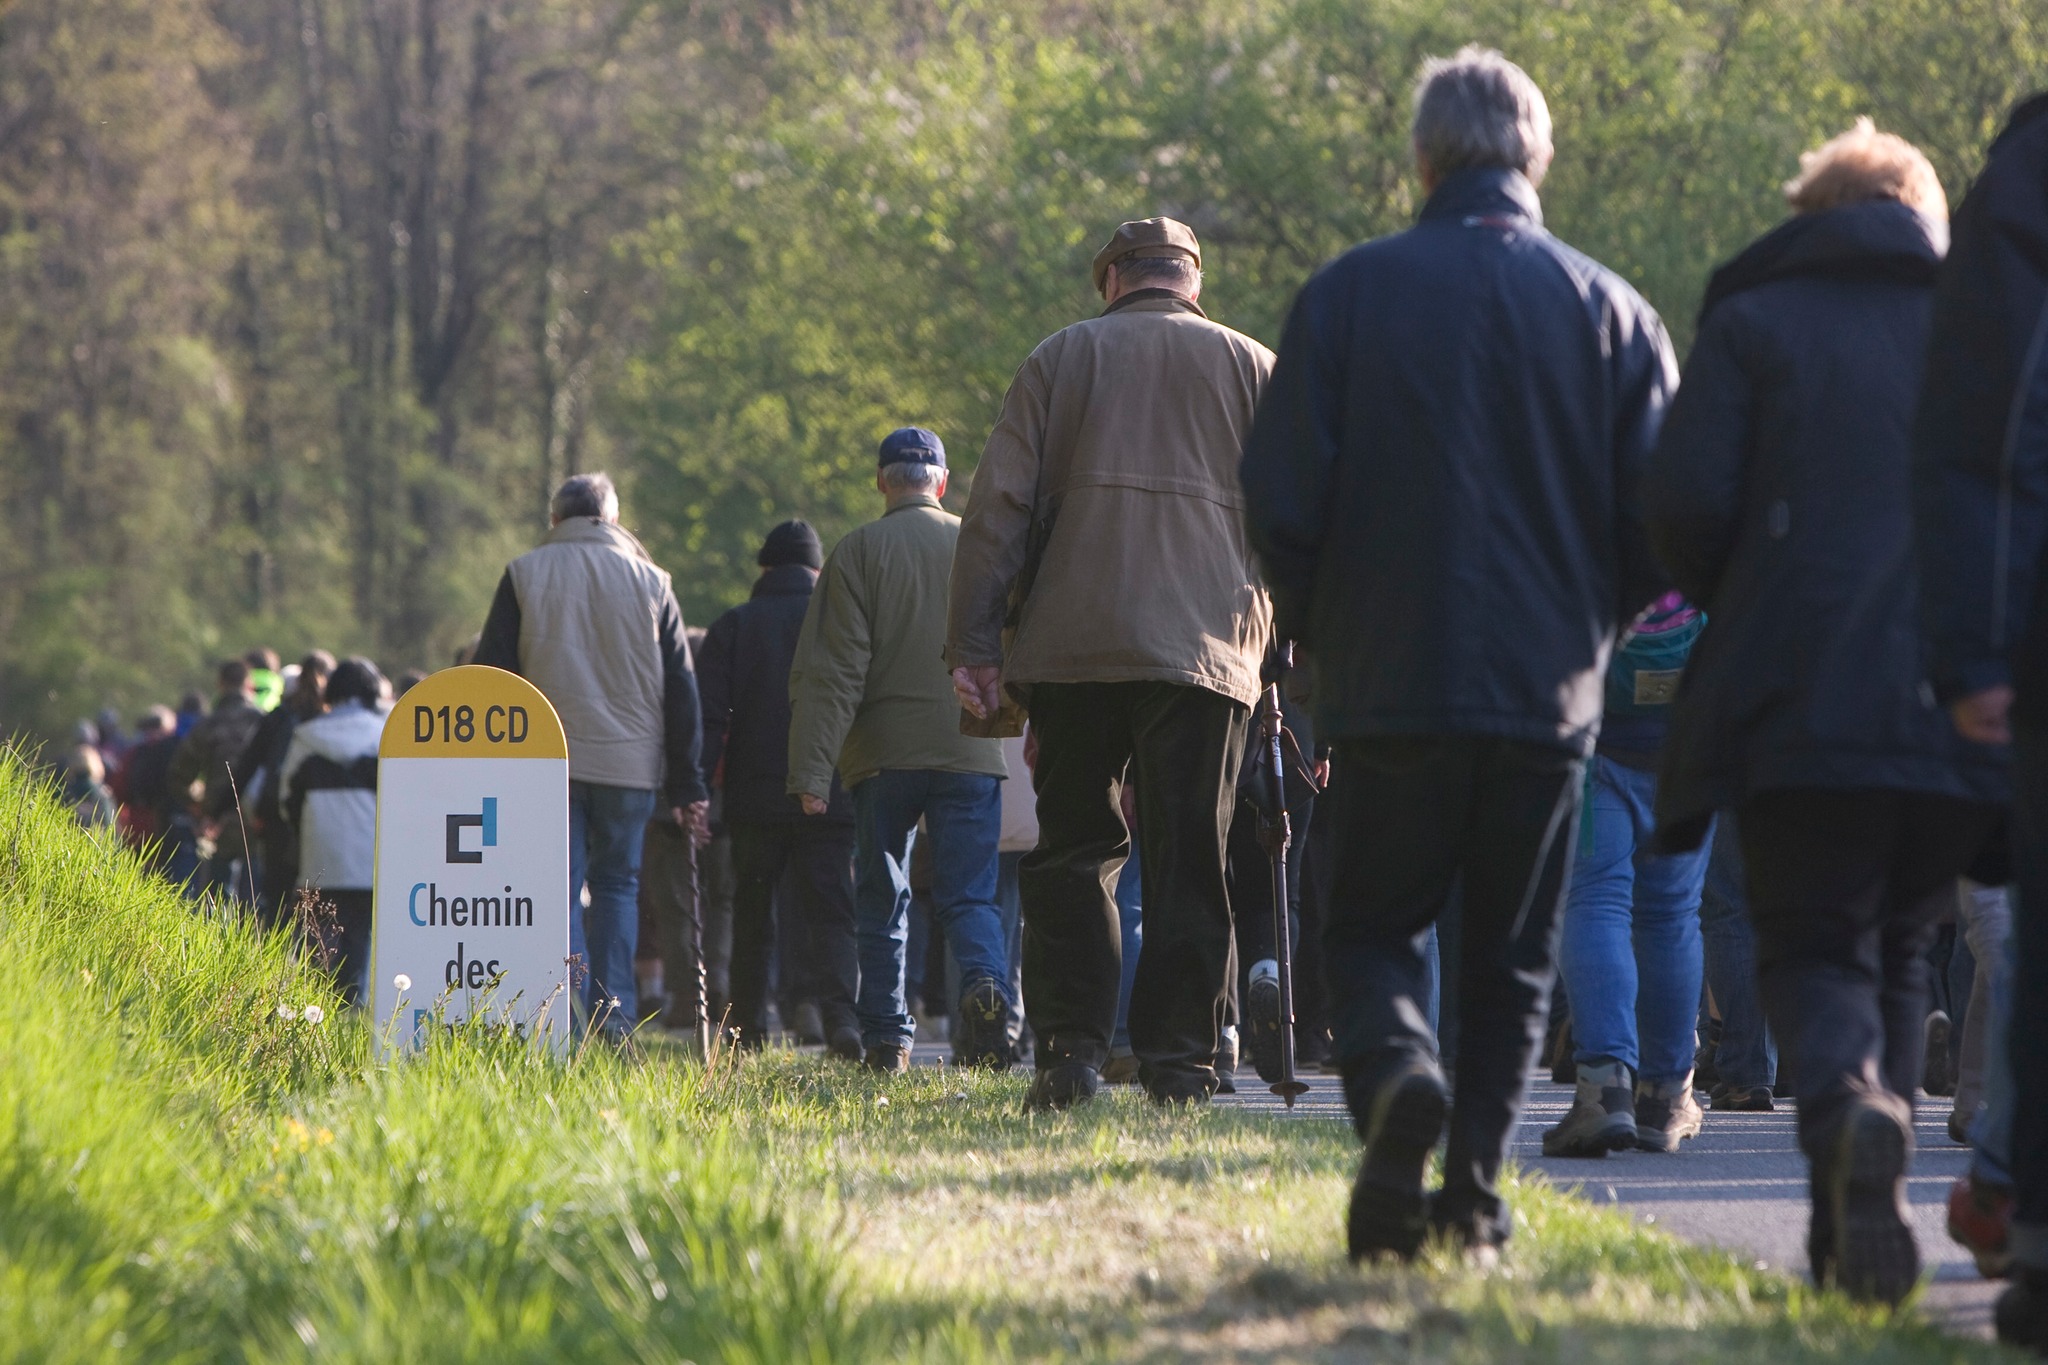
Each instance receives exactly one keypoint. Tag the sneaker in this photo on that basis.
(845, 1044)
(1226, 1061)
(1062, 1086)
(1666, 1114)
(1389, 1212)
(1874, 1257)
(1121, 1069)
(1938, 1071)
(1742, 1099)
(891, 1059)
(1262, 1019)
(981, 1038)
(1980, 1220)
(1602, 1118)
(2022, 1311)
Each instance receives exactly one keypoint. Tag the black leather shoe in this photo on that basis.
(1389, 1208)
(1062, 1086)
(845, 1044)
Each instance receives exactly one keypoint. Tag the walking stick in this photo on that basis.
(1274, 837)
(696, 931)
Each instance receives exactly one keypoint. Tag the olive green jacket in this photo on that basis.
(1114, 464)
(870, 689)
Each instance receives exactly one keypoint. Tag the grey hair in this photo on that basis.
(1479, 109)
(911, 476)
(585, 495)
(1178, 273)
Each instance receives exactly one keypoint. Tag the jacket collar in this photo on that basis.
(915, 500)
(1155, 301)
(594, 531)
(785, 580)
(1878, 241)
(1485, 193)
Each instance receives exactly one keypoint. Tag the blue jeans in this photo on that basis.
(963, 814)
(1747, 1056)
(1130, 918)
(1010, 900)
(607, 826)
(1630, 952)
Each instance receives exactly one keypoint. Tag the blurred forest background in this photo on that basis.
(305, 304)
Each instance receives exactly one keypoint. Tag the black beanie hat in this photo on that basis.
(793, 542)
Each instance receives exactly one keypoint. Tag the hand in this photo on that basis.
(979, 688)
(696, 818)
(1985, 717)
(813, 805)
(1323, 774)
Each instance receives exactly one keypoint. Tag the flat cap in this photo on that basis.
(1147, 237)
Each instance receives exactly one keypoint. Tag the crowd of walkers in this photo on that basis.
(1717, 693)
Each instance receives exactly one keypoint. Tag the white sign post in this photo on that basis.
(472, 901)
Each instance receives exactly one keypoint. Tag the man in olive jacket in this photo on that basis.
(869, 694)
(1106, 526)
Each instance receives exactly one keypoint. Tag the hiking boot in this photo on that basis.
(1226, 1061)
(844, 1044)
(1262, 1023)
(1121, 1069)
(1874, 1257)
(1389, 1212)
(1666, 1114)
(892, 1059)
(981, 1038)
(1742, 1099)
(1980, 1220)
(2022, 1311)
(1062, 1086)
(1938, 1070)
(1602, 1118)
(1170, 1091)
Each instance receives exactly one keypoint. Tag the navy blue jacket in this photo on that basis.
(1441, 481)
(1981, 434)
(1780, 498)
(743, 674)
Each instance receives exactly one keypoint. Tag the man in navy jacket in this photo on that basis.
(1442, 489)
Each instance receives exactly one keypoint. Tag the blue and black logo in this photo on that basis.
(486, 821)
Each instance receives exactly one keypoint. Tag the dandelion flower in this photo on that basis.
(314, 1014)
(287, 1012)
(402, 981)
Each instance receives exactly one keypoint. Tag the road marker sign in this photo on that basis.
(472, 900)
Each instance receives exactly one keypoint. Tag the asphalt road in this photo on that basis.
(1740, 1185)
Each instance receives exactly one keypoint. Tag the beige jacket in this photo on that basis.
(590, 608)
(1119, 441)
(868, 689)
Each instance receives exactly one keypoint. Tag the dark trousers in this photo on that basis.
(345, 942)
(1844, 888)
(1412, 816)
(818, 853)
(2027, 1041)
(1181, 746)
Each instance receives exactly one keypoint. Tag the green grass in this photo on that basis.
(187, 1175)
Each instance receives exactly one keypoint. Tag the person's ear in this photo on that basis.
(940, 491)
(880, 487)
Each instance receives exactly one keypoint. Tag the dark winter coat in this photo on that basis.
(1441, 481)
(1981, 436)
(743, 677)
(1779, 498)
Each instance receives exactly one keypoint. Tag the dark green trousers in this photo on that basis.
(1181, 747)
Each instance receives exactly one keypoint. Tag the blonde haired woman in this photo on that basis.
(1780, 500)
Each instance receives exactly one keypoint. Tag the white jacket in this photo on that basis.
(329, 781)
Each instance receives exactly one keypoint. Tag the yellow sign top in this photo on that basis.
(473, 712)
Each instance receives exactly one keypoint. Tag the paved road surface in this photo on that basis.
(1740, 1185)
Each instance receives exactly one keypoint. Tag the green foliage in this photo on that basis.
(307, 303)
(911, 207)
